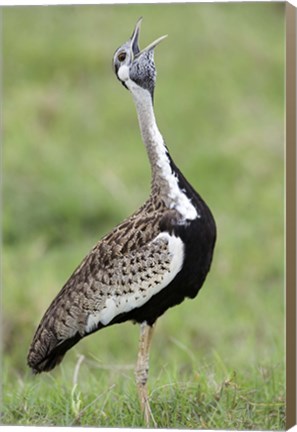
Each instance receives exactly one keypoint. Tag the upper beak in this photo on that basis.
(134, 38)
(134, 41)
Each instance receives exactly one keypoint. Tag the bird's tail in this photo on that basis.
(56, 334)
(46, 352)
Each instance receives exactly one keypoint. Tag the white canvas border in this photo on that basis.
(94, 2)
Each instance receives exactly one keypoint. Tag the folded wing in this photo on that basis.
(107, 284)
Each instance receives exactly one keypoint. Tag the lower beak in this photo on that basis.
(153, 44)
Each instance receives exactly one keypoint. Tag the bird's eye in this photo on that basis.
(122, 56)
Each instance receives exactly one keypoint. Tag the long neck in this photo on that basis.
(164, 180)
(152, 138)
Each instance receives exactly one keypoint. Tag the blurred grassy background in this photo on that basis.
(74, 166)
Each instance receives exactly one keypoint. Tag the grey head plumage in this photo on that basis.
(134, 66)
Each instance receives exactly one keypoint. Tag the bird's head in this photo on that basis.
(134, 67)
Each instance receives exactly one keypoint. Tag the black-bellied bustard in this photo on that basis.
(152, 261)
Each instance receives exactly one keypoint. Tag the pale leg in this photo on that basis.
(141, 371)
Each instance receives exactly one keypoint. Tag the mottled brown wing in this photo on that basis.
(116, 276)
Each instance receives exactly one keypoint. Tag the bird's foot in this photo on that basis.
(145, 407)
(141, 372)
(141, 379)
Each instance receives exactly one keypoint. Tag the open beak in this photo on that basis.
(134, 41)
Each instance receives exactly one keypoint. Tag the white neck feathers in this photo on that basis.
(162, 173)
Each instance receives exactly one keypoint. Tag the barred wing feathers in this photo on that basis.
(112, 280)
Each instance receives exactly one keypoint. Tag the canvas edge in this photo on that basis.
(290, 215)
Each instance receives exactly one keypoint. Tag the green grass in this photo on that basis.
(104, 397)
(74, 166)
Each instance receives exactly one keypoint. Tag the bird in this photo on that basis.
(147, 264)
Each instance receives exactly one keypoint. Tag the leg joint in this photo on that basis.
(141, 374)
